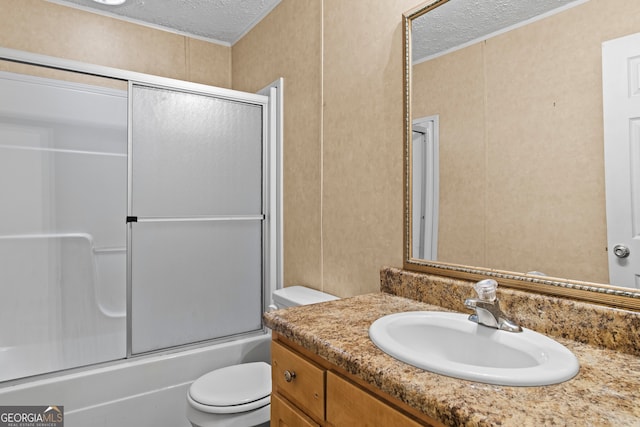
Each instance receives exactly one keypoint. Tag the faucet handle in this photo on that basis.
(486, 290)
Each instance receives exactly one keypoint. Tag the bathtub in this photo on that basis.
(143, 391)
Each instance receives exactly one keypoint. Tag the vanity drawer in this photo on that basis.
(300, 381)
(284, 415)
(349, 405)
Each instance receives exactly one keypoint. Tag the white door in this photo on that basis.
(621, 102)
(425, 188)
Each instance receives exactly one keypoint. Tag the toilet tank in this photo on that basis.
(293, 296)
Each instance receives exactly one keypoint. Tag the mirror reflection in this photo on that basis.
(508, 152)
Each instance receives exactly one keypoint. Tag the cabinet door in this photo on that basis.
(299, 380)
(349, 405)
(285, 415)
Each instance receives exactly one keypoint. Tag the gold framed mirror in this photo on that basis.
(557, 80)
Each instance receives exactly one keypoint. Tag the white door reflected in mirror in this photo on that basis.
(425, 160)
(621, 102)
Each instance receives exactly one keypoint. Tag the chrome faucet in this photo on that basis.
(487, 308)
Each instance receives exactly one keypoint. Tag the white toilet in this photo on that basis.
(240, 395)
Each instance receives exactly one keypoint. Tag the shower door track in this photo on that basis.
(54, 63)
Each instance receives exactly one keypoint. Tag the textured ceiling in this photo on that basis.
(454, 24)
(222, 21)
(458, 22)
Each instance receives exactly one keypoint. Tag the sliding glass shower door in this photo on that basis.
(196, 216)
(135, 216)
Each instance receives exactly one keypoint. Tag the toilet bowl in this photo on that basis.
(240, 395)
(234, 396)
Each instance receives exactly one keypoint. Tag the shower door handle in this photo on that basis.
(258, 217)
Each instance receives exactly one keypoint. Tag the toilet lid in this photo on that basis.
(233, 385)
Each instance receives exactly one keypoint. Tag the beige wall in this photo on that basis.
(453, 88)
(287, 43)
(46, 28)
(342, 63)
(533, 136)
(362, 144)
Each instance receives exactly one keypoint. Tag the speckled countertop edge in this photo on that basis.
(604, 393)
(593, 324)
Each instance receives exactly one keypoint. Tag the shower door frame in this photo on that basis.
(212, 92)
(271, 211)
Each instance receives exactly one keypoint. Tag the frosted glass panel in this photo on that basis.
(195, 276)
(63, 172)
(195, 155)
(194, 281)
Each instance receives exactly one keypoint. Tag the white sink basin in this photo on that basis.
(450, 344)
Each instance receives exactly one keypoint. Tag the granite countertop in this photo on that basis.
(605, 392)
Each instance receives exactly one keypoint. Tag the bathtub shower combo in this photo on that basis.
(138, 240)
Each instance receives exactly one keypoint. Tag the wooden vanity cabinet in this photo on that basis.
(308, 391)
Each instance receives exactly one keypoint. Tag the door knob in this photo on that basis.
(289, 376)
(621, 251)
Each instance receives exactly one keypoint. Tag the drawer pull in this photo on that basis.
(289, 376)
